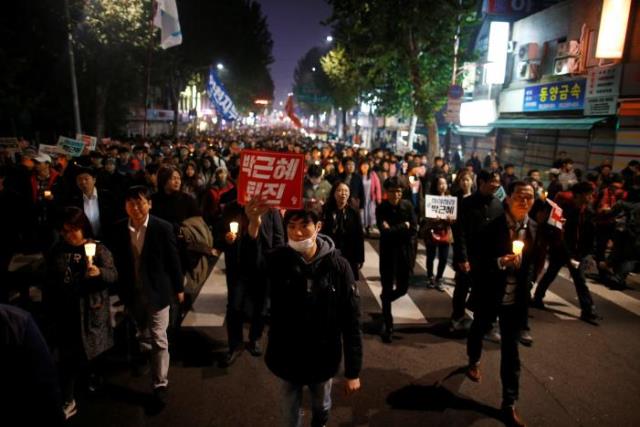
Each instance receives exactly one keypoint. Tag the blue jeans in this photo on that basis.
(292, 401)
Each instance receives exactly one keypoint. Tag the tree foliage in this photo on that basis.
(403, 50)
(311, 85)
(343, 79)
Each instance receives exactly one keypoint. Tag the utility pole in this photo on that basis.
(72, 67)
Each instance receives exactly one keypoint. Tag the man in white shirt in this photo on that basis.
(97, 205)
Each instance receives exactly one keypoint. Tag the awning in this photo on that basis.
(581, 123)
(472, 130)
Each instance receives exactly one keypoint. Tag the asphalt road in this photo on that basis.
(575, 374)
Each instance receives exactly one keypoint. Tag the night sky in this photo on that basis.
(295, 28)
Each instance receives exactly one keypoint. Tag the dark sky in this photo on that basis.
(295, 28)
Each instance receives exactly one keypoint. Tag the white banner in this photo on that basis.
(51, 150)
(441, 207)
(72, 147)
(89, 141)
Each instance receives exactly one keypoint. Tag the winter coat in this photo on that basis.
(80, 305)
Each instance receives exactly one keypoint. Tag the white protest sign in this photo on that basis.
(52, 150)
(441, 207)
(72, 147)
(89, 141)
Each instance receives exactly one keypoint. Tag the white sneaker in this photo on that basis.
(70, 409)
(493, 336)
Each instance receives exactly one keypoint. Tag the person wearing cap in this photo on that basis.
(45, 200)
(98, 205)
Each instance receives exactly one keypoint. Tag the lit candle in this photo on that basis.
(90, 251)
(517, 247)
(453, 177)
(47, 194)
(233, 227)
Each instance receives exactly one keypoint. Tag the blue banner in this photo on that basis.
(219, 98)
(559, 96)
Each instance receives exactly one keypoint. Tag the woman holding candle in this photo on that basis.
(77, 297)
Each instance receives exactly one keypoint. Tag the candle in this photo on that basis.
(453, 176)
(47, 194)
(517, 247)
(90, 251)
(233, 227)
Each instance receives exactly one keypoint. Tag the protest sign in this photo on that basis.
(89, 141)
(52, 150)
(555, 217)
(441, 207)
(275, 177)
(500, 194)
(72, 147)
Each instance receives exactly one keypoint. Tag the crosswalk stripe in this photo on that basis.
(211, 305)
(404, 310)
(560, 307)
(618, 298)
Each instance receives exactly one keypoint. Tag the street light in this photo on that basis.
(313, 69)
(220, 67)
(329, 39)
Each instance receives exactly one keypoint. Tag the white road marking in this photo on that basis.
(618, 298)
(211, 305)
(404, 310)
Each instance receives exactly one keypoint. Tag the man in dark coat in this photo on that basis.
(315, 314)
(396, 219)
(246, 288)
(504, 272)
(354, 181)
(146, 257)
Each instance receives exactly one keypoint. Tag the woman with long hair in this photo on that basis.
(372, 195)
(341, 222)
(77, 297)
(437, 237)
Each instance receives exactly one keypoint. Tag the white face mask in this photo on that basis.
(302, 246)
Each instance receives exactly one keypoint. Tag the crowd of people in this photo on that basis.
(146, 219)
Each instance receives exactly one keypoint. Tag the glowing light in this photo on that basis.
(220, 67)
(613, 28)
(497, 54)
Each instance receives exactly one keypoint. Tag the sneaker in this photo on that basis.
(70, 409)
(511, 417)
(439, 284)
(255, 349)
(430, 283)
(526, 339)
(493, 336)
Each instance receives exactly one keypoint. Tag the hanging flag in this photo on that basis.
(219, 97)
(166, 18)
(292, 115)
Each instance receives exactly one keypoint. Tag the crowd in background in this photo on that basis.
(53, 205)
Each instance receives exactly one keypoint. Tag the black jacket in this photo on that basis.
(109, 209)
(356, 187)
(399, 239)
(345, 229)
(160, 264)
(470, 234)
(315, 315)
(489, 280)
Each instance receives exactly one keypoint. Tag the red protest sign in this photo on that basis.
(275, 177)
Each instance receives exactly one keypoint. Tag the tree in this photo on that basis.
(343, 81)
(311, 85)
(403, 50)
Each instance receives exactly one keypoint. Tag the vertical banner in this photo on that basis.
(166, 18)
(275, 177)
(220, 98)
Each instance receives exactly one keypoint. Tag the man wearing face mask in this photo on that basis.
(315, 314)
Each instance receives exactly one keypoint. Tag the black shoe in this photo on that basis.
(161, 394)
(537, 303)
(254, 348)
(386, 334)
(511, 417)
(231, 358)
(592, 318)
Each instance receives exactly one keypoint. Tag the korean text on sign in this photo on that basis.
(441, 207)
(275, 177)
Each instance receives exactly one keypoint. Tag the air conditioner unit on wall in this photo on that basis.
(566, 66)
(528, 52)
(568, 48)
(527, 71)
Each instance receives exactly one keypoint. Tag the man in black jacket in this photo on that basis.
(315, 313)
(396, 220)
(501, 289)
(146, 256)
(98, 205)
